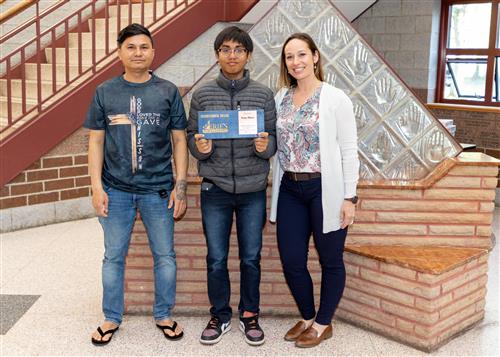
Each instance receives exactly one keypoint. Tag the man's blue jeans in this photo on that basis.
(159, 223)
(217, 207)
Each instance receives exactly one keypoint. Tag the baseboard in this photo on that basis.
(12, 219)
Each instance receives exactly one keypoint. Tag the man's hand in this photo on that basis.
(261, 141)
(178, 199)
(96, 159)
(203, 145)
(100, 202)
(347, 214)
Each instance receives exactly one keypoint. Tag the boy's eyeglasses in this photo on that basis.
(238, 51)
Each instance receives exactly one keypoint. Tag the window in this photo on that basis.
(470, 51)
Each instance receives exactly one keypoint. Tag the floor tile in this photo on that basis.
(12, 308)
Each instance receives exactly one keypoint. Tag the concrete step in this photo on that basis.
(100, 24)
(73, 55)
(31, 104)
(46, 71)
(17, 108)
(136, 9)
(101, 30)
(31, 88)
(100, 40)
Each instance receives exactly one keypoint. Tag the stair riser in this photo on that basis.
(46, 72)
(100, 40)
(31, 89)
(100, 24)
(136, 9)
(73, 55)
(16, 109)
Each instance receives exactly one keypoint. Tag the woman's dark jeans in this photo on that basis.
(300, 213)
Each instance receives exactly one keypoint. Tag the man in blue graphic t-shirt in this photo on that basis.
(134, 119)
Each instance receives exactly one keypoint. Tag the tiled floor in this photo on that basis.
(62, 263)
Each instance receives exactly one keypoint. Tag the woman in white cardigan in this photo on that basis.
(315, 173)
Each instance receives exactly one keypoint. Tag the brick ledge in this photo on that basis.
(464, 159)
(430, 260)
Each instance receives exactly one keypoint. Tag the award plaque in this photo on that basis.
(231, 124)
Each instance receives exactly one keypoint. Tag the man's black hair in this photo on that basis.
(133, 30)
(234, 33)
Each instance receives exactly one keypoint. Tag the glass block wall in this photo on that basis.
(398, 138)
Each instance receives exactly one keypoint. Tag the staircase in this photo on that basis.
(72, 56)
(44, 98)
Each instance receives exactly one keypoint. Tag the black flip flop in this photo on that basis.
(171, 328)
(101, 342)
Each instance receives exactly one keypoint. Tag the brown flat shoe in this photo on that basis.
(310, 338)
(295, 331)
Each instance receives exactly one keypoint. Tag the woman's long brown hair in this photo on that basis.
(286, 80)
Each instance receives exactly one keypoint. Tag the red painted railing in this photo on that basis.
(71, 29)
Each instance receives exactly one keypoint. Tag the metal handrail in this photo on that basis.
(38, 16)
(16, 9)
(59, 34)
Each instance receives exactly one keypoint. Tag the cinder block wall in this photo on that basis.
(405, 33)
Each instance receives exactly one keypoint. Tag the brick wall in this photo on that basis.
(191, 252)
(424, 296)
(49, 179)
(48, 190)
(415, 307)
(456, 211)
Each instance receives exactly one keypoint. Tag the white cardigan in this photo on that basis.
(338, 155)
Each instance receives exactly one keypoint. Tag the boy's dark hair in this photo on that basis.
(234, 33)
(133, 30)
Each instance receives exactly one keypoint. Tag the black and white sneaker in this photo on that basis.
(253, 333)
(214, 331)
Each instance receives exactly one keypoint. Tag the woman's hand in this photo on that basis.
(347, 213)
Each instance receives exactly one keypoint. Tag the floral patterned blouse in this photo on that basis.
(298, 134)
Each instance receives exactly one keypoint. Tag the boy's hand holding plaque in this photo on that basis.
(231, 124)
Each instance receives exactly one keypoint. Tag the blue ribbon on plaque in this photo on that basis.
(231, 124)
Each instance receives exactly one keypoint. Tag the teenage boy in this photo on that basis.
(134, 119)
(234, 175)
